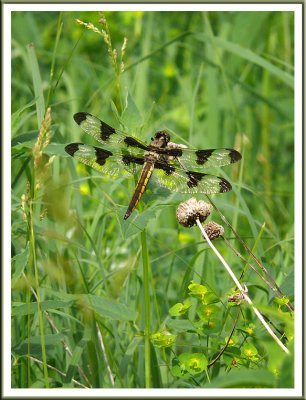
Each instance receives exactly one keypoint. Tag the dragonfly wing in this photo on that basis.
(104, 161)
(200, 159)
(106, 134)
(190, 181)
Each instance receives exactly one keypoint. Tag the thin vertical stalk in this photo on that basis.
(39, 309)
(58, 34)
(147, 314)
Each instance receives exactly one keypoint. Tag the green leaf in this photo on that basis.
(131, 117)
(74, 361)
(19, 263)
(250, 351)
(243, 378)
(179, 370)
(180, 325)
(189, 272)
(136, 222)
(163, 339)
(180, 308)
(156, 371)
(287, 286)
(16, 115)
(110, 308)
(232, 356)
(281, 301)
(37, 84)
(213, 325)
(194, 363)
(286, 376)
(27, 140)
(210, 298)
(51, 343)
(197, 290)
(127, 359)
(56, 149)
(207, 312)
(248, 55)
(31, 308)
(233, 340)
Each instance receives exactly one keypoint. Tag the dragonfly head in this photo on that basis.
(161, 139)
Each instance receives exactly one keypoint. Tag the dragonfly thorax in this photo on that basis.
(161, 139)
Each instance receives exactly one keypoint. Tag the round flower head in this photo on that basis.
(188, 212)
(213, 230)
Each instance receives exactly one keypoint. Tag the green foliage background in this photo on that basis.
(212, 79)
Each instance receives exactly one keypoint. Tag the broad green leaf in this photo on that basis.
(180, 325)
(31, 308)
(51, 342)
(110, 308)
(27, 140)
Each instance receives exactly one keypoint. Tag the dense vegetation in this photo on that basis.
(102, 302)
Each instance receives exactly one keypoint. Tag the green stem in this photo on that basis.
(40, 312)
(146, 290)
(58, 34)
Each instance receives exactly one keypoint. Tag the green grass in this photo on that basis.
(89, 289)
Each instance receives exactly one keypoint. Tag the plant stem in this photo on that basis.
(39, 309)
(258, 262)
(146, 290)
(238, 284)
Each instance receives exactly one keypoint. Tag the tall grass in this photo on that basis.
(91, 292)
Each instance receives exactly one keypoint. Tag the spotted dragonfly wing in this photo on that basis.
(199, 159)
(179, 180)
(106, 134)
(105, 161)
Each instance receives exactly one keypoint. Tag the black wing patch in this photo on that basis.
(104, 161)
(105, 133)
(178, 180)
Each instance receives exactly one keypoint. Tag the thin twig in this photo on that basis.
(226, 345)
(58, 371)
(242, 290)
(109, 371)
(258, 262)
(248, 263)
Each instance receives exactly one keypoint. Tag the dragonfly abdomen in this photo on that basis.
(140, 187)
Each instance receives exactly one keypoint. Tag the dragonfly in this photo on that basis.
(174, 166)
